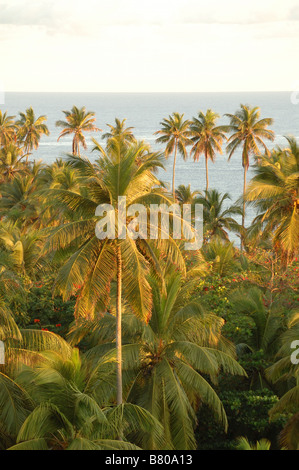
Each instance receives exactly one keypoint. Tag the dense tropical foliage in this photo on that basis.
(128, 342)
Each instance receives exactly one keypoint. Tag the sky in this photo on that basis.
(149, 46)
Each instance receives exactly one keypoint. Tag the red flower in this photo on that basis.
(58, 325)
(45, 329)
(77, 286)
(36, 320)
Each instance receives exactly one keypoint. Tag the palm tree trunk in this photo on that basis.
(119, 397)
(26, 150)
(76, 146)
(173, 174)
(243, 213)
(207, 173)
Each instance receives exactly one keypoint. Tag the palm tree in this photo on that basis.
(19, 201)
(248, 132)
(268, 325)
(274, 191)
(21, 347)
(180, 347)
(9, 285)
(97, 262)
(175, 133)
(221, 255)
(142, 148)
(24, 249)
(217, 220)
(207, 138)
(8, 129)
(170, 361)
(71, 412)
(184, 195)
(60, 175)
(119, 131)
(285, 370)
(11, 163)
(31, 130)
(289, 436)
(244, 444)
(77, 122)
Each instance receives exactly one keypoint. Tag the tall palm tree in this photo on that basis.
(77, 122)
(248, 132)
(274, 191)
(119, 131)
(8, 129)
(175, 133)
(31, 129)
(207, 138)
(167, 361)
(96, 262)
(143, 149)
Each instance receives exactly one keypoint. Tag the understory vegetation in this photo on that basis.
(136, 343)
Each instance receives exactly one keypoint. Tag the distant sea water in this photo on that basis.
(145, 111)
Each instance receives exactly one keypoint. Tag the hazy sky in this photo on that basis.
(154, 45)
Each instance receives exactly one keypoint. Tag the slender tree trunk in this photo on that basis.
(173, 175)
(26, 149)
(119, 397)
(207, 173)
(243, 213)
(76, 147)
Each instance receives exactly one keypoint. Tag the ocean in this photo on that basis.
(145, 111)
